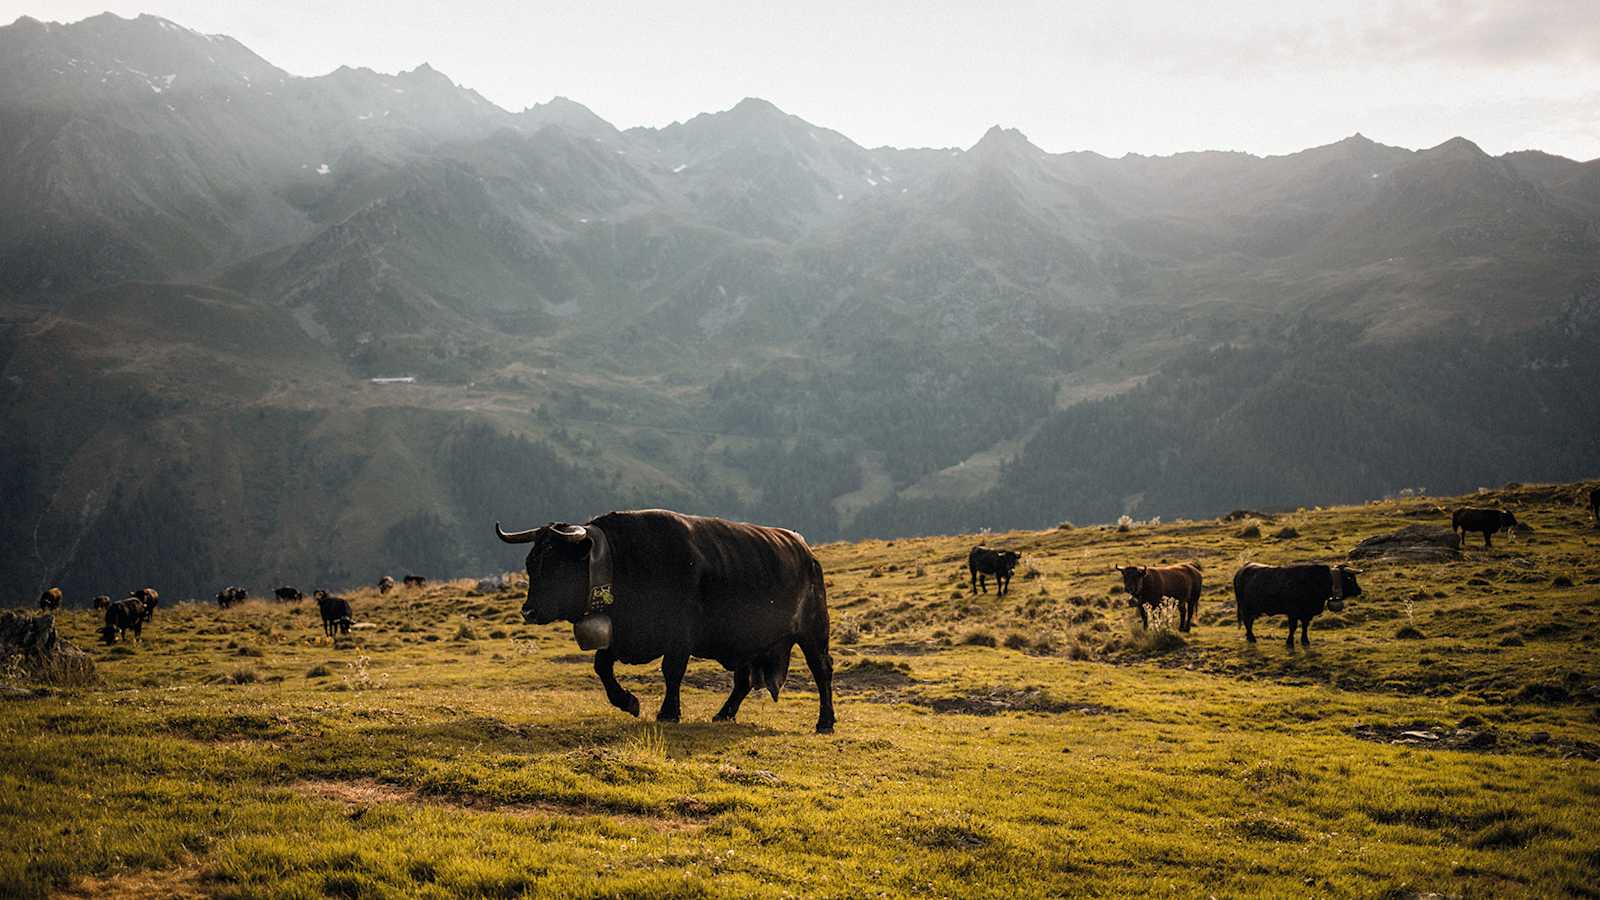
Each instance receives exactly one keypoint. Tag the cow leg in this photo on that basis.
(1291, 632)
(1487, 541)
(741, 689)
(1305, 627)
(974, 573)
(621, 699)
(673, 665)
(1144, 617)
(820, 662)
(1249, 630)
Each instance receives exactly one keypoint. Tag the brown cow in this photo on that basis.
(102, 601)
(385, 584)
(1149, 585)
(50, 599)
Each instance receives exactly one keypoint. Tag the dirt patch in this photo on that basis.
(358, 794)
(1413, 543)
(155, 884)
(869, 674)
(992, 701)
(902, 648)
(1475, 740)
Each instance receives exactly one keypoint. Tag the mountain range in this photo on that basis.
(205, 261)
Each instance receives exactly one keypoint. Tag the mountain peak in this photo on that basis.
(999, 139)
(755, 106)
(1457, 148)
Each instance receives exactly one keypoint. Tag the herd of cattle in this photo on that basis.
(132, 612)
(643, 585)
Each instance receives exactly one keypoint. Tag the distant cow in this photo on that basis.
(1479, 519)
(988, 561)
(50, 599)
(287, 594)
(230, 595)
(1147, 586)
(123, 616)
(1299, 592)
(335, 613)
(385, 584)
(1594, 506)
(414, 581)
(103, 601)
(149, 599)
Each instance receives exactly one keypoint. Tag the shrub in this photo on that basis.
(244, 675)
(464, 632)
(247, 650)
(1408, 633)
(1125, 523)
(318, 671)
(1016, 641)
(979, 637)
(1249, 532)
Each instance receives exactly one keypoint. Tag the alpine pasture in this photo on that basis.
(1438, 737)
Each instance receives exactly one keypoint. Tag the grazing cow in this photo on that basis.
(50, 599)
(986, 561)
(230, 595)
(103, 601)
(1299, 592)
(1594, 506)
(149, 599)
(1147, 586)
(414, 581)
(649, 584)
(1481, 519)
(336, 615)
(127, 614)
(287, 593)
(385, 584)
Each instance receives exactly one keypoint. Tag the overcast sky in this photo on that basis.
(1145, 76)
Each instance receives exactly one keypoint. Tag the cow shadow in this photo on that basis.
(475, 734)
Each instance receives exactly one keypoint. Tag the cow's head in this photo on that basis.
(1133, 579)
(1508, 521)
(1344, 586)
(558, 570)
(1007, 560)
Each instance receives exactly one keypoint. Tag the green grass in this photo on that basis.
(1019, 746)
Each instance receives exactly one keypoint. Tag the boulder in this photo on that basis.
(1413, 543)
(30, 643)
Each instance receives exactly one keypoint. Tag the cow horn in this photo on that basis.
(572, 533)
(515, 537)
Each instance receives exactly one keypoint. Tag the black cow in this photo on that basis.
(1149, 585)
(987, 561)
(1481, 519)
(651, 584)
(127, 614)
(102, 602)
(414, 581)
(50, 599)
(287, 594)
(149, 599)
(385, 584)
(1594, 506)
(230, 595)
(336, 614)
(1299, 592)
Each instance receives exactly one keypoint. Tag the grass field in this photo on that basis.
(1035, 744)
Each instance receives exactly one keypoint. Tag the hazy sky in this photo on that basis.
(1147, 76)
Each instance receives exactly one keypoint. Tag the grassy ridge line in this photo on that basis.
(445, 749)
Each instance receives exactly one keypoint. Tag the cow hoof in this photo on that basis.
(668, 719)
(824, 728)
(630, 705)
(723, 717)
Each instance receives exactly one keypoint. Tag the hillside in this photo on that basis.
(1438, 736)
(206, 259)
